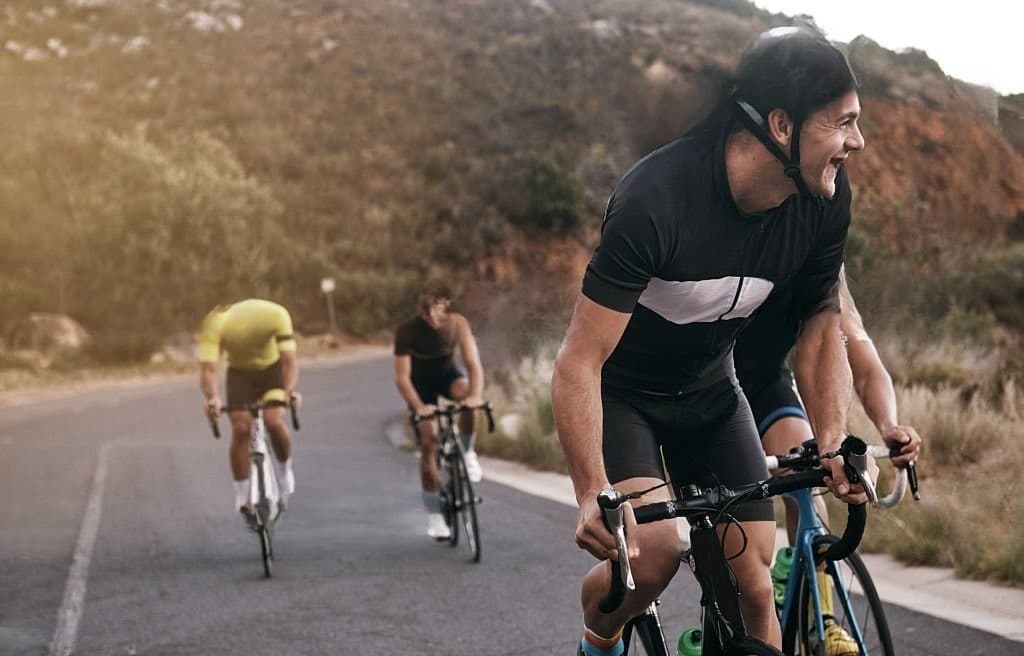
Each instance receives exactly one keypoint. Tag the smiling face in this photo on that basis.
(829, 136)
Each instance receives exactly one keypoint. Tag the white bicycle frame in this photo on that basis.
(261, 468)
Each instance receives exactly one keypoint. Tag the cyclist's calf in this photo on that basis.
(751, 569)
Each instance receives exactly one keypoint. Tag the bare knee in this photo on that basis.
(241, 424)
(276, 425)
(658, 561)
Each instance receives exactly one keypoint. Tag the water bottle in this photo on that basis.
(780, 573)
(689, 642)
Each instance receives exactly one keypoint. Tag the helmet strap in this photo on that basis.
(757, 126)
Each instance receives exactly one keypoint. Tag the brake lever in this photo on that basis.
(856, 466)
(611, 509)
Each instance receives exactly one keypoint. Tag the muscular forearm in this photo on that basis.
(877, 395)
(290, 373)
(208, 380)
(576, 399)
(476, 380)
(825, 381)
(408, 392)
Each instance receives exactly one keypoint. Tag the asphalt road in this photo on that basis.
(117, 536)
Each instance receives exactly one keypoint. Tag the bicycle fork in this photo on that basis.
(647, 627)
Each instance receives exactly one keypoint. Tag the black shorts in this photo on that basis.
(776, 400)
(436, 384)
(245, 387)
(706, 437)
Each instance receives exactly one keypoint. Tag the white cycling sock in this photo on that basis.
(241, 493)
(468, 441)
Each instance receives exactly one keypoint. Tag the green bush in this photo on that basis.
(546, 197)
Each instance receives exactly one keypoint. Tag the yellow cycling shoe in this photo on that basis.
(837, 641)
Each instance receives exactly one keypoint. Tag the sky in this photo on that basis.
(975, 41)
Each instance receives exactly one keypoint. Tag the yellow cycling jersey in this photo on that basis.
(252, 333)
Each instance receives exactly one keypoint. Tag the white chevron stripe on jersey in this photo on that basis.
(702, 301)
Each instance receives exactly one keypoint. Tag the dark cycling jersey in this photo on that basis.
(432, 349)
(677, 253)
(761, 349)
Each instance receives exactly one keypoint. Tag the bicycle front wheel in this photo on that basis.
(267, 549)
(466, 505)
(855, 610)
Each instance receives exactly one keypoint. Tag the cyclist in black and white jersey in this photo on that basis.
(696, 236)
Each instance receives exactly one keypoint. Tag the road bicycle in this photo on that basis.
(803, 624)
(458, 499)
(264, 488)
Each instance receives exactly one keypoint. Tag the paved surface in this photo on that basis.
(117, 538)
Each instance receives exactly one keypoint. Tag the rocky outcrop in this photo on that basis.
(47, 334)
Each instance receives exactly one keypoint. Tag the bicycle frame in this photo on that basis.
(805, 566)
(263, 483)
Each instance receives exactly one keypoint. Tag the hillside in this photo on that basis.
(163, 155)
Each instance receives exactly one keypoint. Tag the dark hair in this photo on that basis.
(432, 292)
(792, 68)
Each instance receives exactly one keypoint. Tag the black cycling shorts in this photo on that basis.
(437, 384)
(706, 436)
(245, 387)
(776, 400)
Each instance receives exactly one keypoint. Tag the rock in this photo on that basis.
(47, 334)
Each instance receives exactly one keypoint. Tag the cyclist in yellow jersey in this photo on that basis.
(257, 337)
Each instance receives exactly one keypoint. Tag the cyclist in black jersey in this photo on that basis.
(696, 236)
(767, 382)
(425, 370)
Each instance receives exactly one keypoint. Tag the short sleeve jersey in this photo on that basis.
(252, 333)
(432, 349)
(691, 268)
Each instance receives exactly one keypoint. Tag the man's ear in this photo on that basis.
(780, 127)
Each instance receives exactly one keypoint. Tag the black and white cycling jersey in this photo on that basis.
(677, 253)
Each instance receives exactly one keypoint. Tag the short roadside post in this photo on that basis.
(327, 287)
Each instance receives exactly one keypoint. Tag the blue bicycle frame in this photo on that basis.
(804, 567)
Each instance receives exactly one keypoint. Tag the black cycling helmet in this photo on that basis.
(795, 69)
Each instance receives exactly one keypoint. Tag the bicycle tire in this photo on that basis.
(451, 507)
(849, 574)
(446, 495)
(267, 550)
(466, 505)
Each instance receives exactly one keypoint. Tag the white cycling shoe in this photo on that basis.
(473, 468)
(437, 528)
